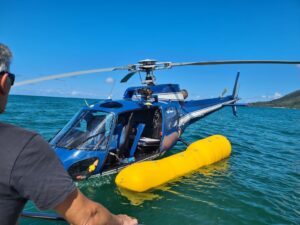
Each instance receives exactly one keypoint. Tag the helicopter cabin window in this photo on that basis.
(89, 130)
(137, 134)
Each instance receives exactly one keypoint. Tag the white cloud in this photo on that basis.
(271, 97)
(277, 95)
(109, 80)
(74, 93)
(298, 65)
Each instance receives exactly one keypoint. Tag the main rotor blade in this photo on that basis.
(128, 76)
(70, 74)
(129, 67)
(204, 63)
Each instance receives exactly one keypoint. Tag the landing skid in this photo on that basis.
(119, 168)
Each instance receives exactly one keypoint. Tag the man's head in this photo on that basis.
(6, 78)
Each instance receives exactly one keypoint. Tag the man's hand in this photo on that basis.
(126, 220)
(79, 210)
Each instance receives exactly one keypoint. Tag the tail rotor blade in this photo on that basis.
(234, 111)
(224, 92)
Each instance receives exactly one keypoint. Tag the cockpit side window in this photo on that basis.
(90, 130)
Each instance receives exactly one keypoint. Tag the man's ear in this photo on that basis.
(4, 84)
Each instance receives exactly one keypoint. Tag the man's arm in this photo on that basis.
(38, 175)
(79, 210)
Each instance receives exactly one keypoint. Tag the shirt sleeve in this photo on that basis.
(38, 175)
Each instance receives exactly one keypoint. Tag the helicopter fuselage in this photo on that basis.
(107, 136)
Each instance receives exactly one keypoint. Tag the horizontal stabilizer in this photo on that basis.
(237, 104)
(234, 111)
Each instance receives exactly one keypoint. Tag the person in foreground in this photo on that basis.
(30, 170)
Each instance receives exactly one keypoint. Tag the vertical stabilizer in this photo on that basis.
(235, 92)
(236, 86)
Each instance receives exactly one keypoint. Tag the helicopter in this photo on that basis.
(107, 136)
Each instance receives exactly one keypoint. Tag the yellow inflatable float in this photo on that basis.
(143, 176)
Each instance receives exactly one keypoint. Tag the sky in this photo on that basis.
(51, 37)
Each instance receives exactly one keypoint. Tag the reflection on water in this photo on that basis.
(216, 169)
(136, 198)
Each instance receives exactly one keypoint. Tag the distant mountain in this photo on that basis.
(291, 100)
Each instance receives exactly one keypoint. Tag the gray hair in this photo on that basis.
(5, 57)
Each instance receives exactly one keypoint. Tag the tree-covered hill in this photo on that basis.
(291, 100)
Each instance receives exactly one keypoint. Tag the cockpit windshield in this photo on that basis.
(88, 130)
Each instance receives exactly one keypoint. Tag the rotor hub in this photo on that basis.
(148, 66)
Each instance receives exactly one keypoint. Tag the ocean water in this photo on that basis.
(258, 184)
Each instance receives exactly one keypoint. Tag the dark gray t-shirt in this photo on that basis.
(29, 170)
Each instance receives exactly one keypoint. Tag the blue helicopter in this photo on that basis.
(107, 136)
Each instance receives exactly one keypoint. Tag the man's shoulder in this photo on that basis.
(13, 139)
(9, 128)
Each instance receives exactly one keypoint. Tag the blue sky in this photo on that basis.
(50, 37)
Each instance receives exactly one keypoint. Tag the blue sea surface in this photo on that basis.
(258, 184)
